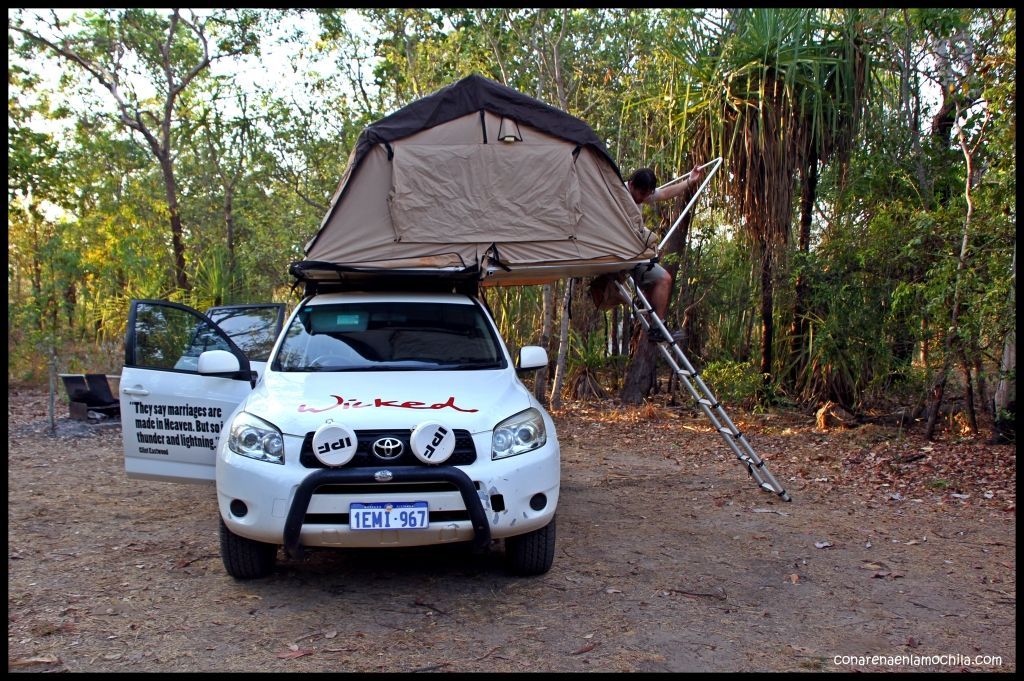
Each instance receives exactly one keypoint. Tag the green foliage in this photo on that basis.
(586, 352)
(734, 382)
(768, 88)
(585, 362)
(517, 312)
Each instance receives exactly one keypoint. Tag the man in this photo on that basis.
(653, 279)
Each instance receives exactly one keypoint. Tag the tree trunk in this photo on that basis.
(798, 329)
(640, 376)
(563, 346)
(229, 224)
(540, 388)
(613, 332)
(177, 243)
(767, 321)
(972, 417)
(979, 373)
(953, 332)
(914, 115)
(51, 410)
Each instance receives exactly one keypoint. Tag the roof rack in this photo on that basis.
(324, 277)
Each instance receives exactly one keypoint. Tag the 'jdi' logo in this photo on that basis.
(439, 434)
(340, 443)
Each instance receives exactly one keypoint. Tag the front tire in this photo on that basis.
(531, 553)
(245, 558)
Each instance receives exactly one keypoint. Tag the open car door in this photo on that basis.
(183, 376)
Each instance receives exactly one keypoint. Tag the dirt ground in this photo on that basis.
(894, 555)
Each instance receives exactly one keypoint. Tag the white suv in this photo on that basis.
(376, 419)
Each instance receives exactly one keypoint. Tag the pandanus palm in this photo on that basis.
(773, 91)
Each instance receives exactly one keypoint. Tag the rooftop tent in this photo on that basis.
(434, 189)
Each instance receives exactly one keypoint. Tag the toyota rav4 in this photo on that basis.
(375, 419)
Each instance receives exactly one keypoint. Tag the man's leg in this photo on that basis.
(658, 288)
(656, 284)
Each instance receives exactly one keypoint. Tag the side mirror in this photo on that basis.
(532, 357)
(219, 363)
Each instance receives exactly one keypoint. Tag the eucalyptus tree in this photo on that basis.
(144, 59)
(971, 51)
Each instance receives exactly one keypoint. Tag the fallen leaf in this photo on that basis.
(292, 654)
(585, 649)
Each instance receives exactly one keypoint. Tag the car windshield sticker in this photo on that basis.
(378, 402)
(178, 425)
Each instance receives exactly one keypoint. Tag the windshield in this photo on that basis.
(389, 336)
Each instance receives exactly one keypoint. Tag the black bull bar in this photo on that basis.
(329, 476)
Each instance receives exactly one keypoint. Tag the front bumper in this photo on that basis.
(304, 493)
(303, 507)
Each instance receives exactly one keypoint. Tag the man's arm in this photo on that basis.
(688, 186)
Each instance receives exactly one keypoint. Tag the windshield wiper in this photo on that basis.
(469, 364)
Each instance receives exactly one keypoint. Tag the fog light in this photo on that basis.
(538, 501)
(239, 509)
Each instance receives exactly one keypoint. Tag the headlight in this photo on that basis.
(255, 438)
(523, 432)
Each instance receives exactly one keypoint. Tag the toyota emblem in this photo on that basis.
(388, 448)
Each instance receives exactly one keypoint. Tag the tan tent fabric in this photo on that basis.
(450, 195)
(511, 192)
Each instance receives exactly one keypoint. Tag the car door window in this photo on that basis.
(165, 336)
(253, 328)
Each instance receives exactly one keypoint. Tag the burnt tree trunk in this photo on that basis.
(639, 378)
(798, 329)
(767, 321)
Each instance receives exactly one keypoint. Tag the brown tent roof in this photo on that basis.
(431, 188)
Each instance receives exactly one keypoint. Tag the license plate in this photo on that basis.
(389, 515)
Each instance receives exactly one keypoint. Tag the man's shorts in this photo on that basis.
(646, 274)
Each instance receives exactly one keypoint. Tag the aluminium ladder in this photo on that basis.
(701, 393)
